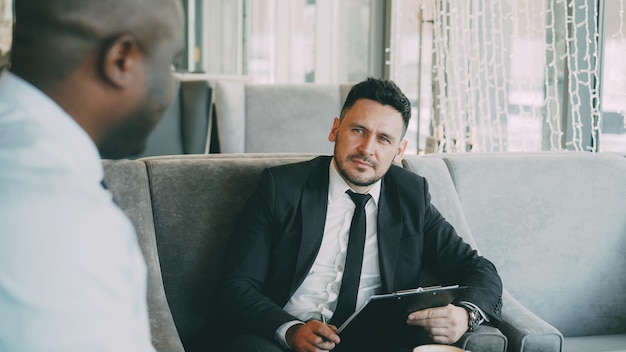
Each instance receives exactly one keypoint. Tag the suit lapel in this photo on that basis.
(314, 207)
(389, 232)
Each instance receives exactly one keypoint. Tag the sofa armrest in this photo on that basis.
(525, 331)
(484, 339)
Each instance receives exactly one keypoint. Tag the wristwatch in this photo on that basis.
(475, 318)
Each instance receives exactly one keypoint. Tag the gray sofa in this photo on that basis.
(553, 223)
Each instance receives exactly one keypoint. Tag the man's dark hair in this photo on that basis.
(383, 91)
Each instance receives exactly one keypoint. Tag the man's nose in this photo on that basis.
(367, 145)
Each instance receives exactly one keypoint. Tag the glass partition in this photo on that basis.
(613, 129)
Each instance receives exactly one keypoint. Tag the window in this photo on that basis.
(513, 75)
(284, 41)
(489, 75)
(410, 65)
(320, 41)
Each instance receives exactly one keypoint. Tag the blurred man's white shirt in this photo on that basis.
(72, 276)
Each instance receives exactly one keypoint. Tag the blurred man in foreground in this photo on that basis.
(89, 79)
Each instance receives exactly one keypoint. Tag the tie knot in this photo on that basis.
(359, 199)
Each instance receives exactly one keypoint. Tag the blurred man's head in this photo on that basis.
(106, 62)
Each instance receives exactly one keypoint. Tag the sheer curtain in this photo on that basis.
(524, 75)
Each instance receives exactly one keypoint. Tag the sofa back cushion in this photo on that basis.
(276, 118)
(128, 182)
(442, 192)
(196, 199)
(554, 224)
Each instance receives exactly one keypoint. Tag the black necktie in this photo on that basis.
(346, 302)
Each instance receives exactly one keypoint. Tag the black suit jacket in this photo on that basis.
(279, 232)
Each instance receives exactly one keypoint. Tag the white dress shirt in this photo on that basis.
(319, 291)
(72, 276)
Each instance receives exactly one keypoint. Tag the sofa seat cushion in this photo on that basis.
(598, 343)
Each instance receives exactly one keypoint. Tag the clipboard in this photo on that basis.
(386, 312)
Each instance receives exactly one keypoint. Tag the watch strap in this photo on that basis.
(475, 318)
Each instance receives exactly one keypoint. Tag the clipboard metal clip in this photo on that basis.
(417, 290)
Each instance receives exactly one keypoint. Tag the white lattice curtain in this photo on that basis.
(515, 75)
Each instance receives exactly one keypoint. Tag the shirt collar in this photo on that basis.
(337, 185)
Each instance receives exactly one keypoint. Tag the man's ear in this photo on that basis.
(400, 151)
(120, 60)
(332, 136)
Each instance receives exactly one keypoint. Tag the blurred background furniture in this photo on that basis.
(232, 114)
(188, 125)
(276, 118)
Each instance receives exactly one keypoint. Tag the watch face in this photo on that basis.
(473, 320)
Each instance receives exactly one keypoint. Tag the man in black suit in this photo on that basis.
(285, 263)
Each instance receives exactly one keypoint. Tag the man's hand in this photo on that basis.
(313, 336)
(443, 324)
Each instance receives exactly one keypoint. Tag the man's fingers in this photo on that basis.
(312, 336)
(441, 335)
(322, 342)
(425, 316)
(420, 318)
(443, 324)
(328, 334)
(428, 313)
(325, 345)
